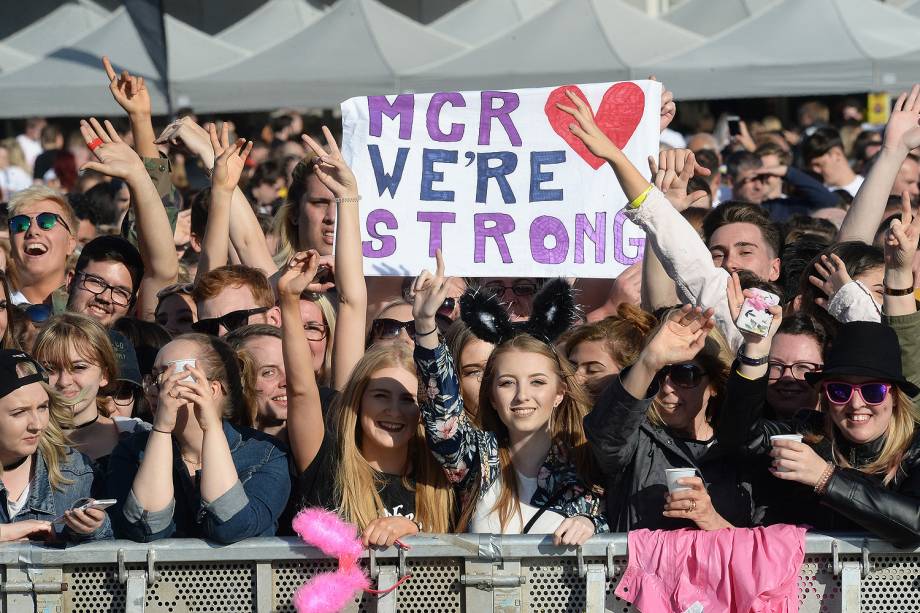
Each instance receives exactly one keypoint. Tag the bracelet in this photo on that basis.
(348, 199)
(155, 429)
(907, 291)
(747, 361)
(418, 525)
(421, 334)
(635, 204)
(821, 485)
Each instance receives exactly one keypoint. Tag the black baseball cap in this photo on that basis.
(18, 369)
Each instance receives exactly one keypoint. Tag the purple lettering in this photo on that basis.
(387, 241)
(401, 108)
(540, 228)
(434, 113)
(596, 233)
(510, 102)
(618, 253)
(435, 221)
(500, 225)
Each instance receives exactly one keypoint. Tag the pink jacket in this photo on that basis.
(719, 571)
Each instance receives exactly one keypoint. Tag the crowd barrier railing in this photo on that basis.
(476, 573)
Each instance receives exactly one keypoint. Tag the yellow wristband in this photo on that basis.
(635, 204)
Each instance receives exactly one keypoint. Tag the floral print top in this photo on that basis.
(467, 453)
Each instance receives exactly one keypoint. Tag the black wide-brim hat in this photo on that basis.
(865, 349)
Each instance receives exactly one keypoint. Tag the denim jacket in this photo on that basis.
(46, 502)
(250, 508)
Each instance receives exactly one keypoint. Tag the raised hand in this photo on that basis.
(679, 338)
(129, 92)
(830, 275)
(585, 128)
(903, 130)
(668, 107)
(115, 158)
(208, 409)
(736, 297)
(673, 172)
(330, 167)
(187, 133)
(231, 158)
(626, 289)
(901, 241)
(168, 402)
(299, 275)
(428, 293)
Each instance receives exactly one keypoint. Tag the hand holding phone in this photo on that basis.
(755, 316)
(734, 125)
(87, 503)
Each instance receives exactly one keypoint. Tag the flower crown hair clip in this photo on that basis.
(554, 312)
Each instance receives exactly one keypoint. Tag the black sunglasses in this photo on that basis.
(384, 327)
(687, 375)
(47, 220)
(230, 321)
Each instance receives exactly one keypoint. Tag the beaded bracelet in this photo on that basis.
(821, 485)
(349, 199)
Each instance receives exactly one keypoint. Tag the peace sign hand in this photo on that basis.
(231, 159)
(129, 92)
(116, 159)
(330, 167)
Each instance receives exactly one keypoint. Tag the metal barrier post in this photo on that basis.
(387, 576)
(263, 588)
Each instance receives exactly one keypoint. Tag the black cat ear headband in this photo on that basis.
(553, 313)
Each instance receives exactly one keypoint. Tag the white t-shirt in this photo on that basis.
(852, 187)
(14, 179)
(485, 519)
(13, 507)
(30, 148)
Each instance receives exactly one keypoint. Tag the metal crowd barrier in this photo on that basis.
(450, 573)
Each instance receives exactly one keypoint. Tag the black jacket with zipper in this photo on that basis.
(853, 500)
(633, 455)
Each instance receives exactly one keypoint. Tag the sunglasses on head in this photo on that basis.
(36, 313)
(687, 375)
(840, 392)
(384, 327)
(47, 220)
(230, 321)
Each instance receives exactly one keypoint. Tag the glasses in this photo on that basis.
(175, 288)
(446, 308)
(873, 393)
(20, 223)
(124, 393)
(315, 331)
(687, 375)
(37, 314)
(385, 327)
(776, 370)
(230, 321)
(519, 288)
(98, 286)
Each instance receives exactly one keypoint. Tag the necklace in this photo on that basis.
(89, 423)
(192, 462)
(16, 464)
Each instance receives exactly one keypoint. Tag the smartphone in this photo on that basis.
(755, 316)
(183, 365)
(734, 125)
(84, 504)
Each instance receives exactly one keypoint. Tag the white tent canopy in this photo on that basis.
(71, 81)
(273, 21)
(359, 47)
(476, 21)
(711, 17)
(62, 26)
(791, 48)
(913, 8)
(573, 41)
(11, 59)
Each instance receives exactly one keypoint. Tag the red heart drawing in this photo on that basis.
(618, 116)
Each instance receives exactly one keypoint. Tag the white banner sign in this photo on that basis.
(497, 180)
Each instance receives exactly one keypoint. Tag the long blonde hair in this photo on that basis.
(357, 484)
(904, 419)
(87, 338)
(567, 431)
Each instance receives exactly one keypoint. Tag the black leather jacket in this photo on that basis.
(857, 500)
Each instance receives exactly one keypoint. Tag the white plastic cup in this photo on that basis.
(673, 474)
(183, 365)
(785, 437)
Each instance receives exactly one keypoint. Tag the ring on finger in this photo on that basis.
(692, 506)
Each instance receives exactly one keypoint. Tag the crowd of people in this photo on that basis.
(188, 333)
